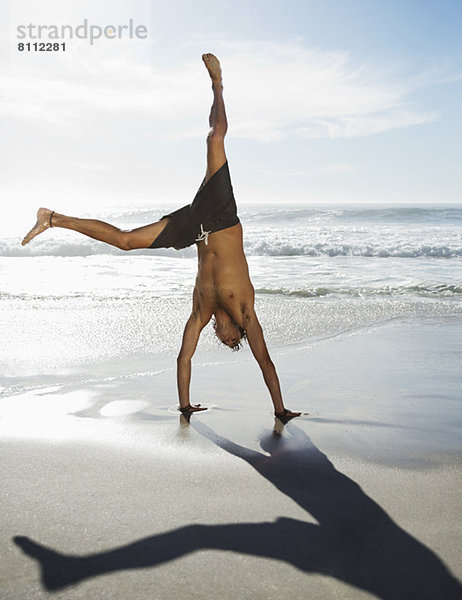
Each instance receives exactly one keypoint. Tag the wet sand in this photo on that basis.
(108, 493)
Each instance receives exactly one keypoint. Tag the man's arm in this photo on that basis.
(191, 335)
(259, 349)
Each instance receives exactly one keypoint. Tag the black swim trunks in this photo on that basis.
(213, 209)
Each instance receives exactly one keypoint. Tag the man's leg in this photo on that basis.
(216, 156)
(142, 237)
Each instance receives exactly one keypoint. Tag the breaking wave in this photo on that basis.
(253, 247)
(264, 248)
(401, 232)
(422, 291)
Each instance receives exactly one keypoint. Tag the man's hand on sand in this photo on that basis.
(187, 410)
(286, 415)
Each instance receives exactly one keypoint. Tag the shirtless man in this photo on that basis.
(223, 288)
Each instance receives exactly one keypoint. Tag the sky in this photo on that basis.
(328, 101)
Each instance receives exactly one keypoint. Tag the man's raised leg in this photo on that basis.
(142, 237)
(216, 156)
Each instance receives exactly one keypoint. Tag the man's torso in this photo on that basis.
(223, 276)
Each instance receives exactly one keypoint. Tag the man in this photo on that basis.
(223, 289)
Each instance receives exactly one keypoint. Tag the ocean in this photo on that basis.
(73, 308)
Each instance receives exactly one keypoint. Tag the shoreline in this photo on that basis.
(111, 473)
(325, 378)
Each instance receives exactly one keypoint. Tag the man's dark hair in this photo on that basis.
(238, 346)
(242, 332)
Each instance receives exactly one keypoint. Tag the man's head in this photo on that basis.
(228, 331)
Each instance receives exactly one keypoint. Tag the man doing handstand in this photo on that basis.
(223, 288)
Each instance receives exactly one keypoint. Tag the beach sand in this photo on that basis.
(108, 493)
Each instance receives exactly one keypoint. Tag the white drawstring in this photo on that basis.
(204, 235)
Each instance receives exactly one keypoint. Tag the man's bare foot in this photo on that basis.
(286, 415)
(43, 222)
(213, 67)
(187, 410)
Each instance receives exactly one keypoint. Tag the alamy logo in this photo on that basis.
(84, 31)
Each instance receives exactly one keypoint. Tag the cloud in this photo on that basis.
(363, 125)
(274, 91)
(281, 91)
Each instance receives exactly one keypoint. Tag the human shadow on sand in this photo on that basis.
(355, 541)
